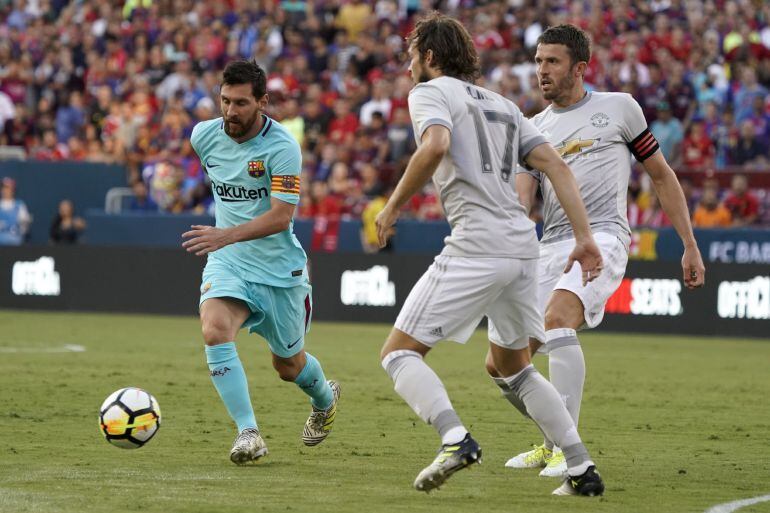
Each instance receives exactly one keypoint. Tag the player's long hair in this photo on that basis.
(246, 72)
(577, 42)
(453, 50)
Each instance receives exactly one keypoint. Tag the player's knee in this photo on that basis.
(215, 332)
(384, 351)
(388, 347)
(490, 366)
(534, 346)
(555, 318)
(287, 371)
(286, 374)
(400, 341)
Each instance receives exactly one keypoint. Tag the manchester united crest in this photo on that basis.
(256, 168)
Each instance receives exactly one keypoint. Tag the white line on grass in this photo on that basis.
(729, 507)
(66, 348)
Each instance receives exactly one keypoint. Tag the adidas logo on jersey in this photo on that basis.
(437, 332)
(229, 192)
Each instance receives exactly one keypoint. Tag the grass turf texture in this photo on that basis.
(676, 424)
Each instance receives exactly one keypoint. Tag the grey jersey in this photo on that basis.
(476, 178)
(592, 136)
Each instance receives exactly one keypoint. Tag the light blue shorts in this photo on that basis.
(280, 315)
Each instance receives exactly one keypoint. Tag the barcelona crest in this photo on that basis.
(288, 182)
(256, 168)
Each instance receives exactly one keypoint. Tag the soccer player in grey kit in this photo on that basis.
(597, 134)
(469, 141)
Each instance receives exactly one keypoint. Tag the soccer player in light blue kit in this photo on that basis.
(256, 275)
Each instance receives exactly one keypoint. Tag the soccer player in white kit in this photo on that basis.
(469, 141)
(596, 133)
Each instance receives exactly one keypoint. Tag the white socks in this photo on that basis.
(536, 397)
(422, 389)
(567, 368)
(454, 435)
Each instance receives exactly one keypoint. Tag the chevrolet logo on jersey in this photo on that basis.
(256, 168)
(228, 192)
(575, 146)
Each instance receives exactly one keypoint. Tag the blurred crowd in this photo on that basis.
(125, 83)
(710, 207)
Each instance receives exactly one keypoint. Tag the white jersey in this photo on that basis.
(476, 178)
(596, 137)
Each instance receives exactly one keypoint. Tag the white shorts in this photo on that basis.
(453, 295)
(553, 260)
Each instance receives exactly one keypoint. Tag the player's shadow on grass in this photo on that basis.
(263, 464)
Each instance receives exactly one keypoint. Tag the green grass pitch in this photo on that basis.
(676, 424)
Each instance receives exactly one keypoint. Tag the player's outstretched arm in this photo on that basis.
(202, 240)
(675, 206)
(433, 146)
(544, 158)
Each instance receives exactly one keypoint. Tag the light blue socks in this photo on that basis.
(312, 381)
(230, 381)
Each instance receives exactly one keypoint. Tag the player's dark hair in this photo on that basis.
(577, 42)
(246, 72)
(453, 50)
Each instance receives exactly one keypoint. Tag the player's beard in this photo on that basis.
(560, 88)
(242, 127)
(423, 75)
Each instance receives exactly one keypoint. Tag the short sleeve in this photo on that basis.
(633, 119)
(635, 132)
(285, 170)
(534, 173)
(529, 138)
(194, 139)
(427, 106)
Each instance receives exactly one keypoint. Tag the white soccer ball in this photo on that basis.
(129, 418)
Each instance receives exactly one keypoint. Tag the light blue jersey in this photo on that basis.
(244, 176)
(268, 275)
